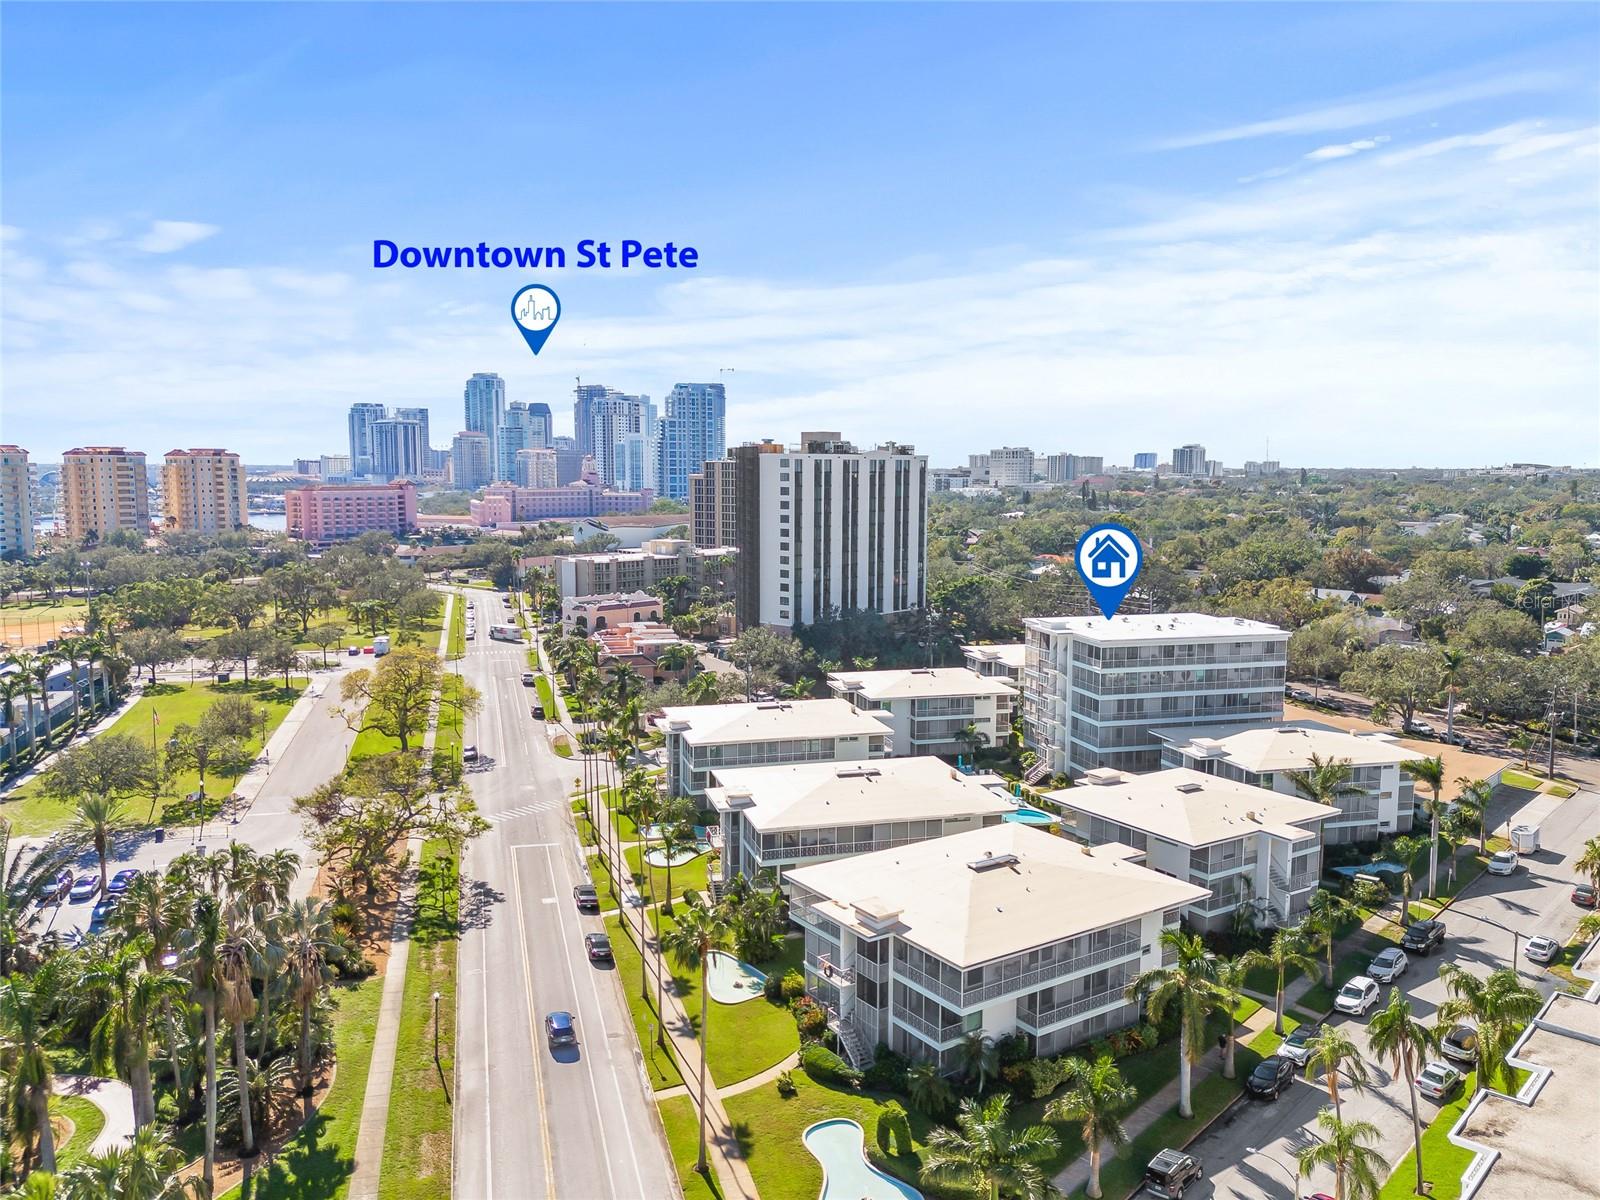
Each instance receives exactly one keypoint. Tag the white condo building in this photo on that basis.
(1002, 930)
(703, 738)
(1247, 848)
(998, 660)
(928, 708)
(778, 818)
(1099, 693)
(1381, 796)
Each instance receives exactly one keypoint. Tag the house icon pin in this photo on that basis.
(1107, 558)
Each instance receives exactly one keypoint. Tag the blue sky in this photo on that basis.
(1365, 234)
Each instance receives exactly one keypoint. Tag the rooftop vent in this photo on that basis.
(1190, 787)
(1101, 776)
(858, 773)
(991, 860)
(775, 705)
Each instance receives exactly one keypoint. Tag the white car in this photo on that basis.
(1438, 1080)
(1419, 727)
(1389, 965)
(1357, 996)
(1541, 949)
(1503, 862)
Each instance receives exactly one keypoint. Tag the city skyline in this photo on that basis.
(1386, 216)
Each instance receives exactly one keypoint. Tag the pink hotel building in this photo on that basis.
(329, 513)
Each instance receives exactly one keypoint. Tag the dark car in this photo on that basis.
(354, 652)
(102, 912)
(599, 947)
(1170, 1173)
(1270, 1077)
(87, 888)
(1584, 895)
(558, 1027)
(1423, 937)
(120, 881)
(586, 896)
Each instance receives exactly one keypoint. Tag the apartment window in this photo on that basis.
(784, 559)
(783, 504)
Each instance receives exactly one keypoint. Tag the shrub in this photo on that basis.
(809, 1017)
(825, 1066)
(772, 989)
(894, 1130)
(792, 985)
(887, 1072)
(1036, 1078)
(786, 1087)
(1101, 1048)
(1012, 1049)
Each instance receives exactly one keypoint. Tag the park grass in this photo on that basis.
(546, 697)
(661, 1068)
(34, 814)
(685, 876)
(417, 1141)
(318, 1162)
(447, 737)
(681, 1120)
(87, 1122)
(1442, 1160)
(458, 630)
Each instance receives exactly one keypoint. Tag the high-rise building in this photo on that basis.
(1189, 459)
(16, 503)
(335, 465)
(1258, 470)
(104, 489)
(1064, 468)
(485, 403)
(1145, 460)
(308, 466)
(824, 526)
(535, 468)
(543, 425)
(515, 432)
(203, 491)
(711, 507)
(420, 416)
(1010, 466)
(693, 432)
(630, 463)
(470, 464)
(396, 449)
(569, 460)
(1100, 693)
(361, 418)
(602, 417)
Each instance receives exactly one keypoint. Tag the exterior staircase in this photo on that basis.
(850, 1043)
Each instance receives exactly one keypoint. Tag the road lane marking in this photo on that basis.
(533, 1038)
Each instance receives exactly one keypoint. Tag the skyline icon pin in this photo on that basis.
(1108, 559)
(535, 309)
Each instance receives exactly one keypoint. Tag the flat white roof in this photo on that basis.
(1192, 808)
(1013, 654)
(1156, 627)
(972, 897)
(920, 684)
(768, 721)
(1287, 746)
(808, 795)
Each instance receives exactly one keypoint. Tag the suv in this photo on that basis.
(1422, 937)
(586, 897)
(1356, 996)
(527, 679)
(558, 1027)
(1170, 1173)
(1389, 965)
(1297, 1046)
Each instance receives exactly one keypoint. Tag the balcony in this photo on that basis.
(1038, 1020)
(823, 966)
(1298, 882)
(1025, 981)
(940, 1034)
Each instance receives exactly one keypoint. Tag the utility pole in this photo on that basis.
(1550, 756)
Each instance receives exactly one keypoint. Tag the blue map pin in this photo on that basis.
(536, 310)
(1108, 558)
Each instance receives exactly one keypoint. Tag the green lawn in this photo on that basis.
(682, 1122)
(660, 1066)
(447, 738)
(416, 1147)
(1442, 1160)
(542, 685)
(87, 1122)
(458, 628)
(317, 1164)
(31, 813)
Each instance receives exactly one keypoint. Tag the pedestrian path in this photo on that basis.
(113, 1098)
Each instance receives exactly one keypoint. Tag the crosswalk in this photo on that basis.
(533, 807)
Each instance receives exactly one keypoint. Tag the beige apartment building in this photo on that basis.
(103, 489)
(16, 504)
(203, 491)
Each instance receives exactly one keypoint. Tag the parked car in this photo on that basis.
(1357, 996)
(86, 888)
(1461, 1044)
(1584, 895)
(1270, 1077)
(1297, 1046)
(537, 712)
(354, 652)
(102, 911)
(598, 946)
(1423, 937)
(469, 754)
(1171, 1172)
(1419, 727)
(586, 897)
(1438, 1080)
(1389, 965)
(558, 1027)
(1502, 862)
(53, 891)
(1541, 949)
(120, 881)
(527, 679)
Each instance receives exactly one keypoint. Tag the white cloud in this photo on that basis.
(1346, 149)
(164, 237)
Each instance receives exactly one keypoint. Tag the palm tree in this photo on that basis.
(675, 817)
(1455, 662)
(986, 1153)
(1286, 950)
(12, 685)
(1588, 864)
(1346, 1147)
(43, 665)
(1231, 974)
(1522, 742)
(310, 943)
(1327, 914)
(98, 818)
(71, 650)
(237, 957)
(1189, 981)
(1331, 1052)
(1407, 849)
(1499, 1004)
(25, 664)
(676, 657)
(703, 688)
(25, 1002)
(699, 930)
(202, 945)
(1474, 801)
(1431, 772)
(928, 1091)
(27, 873)
(1096, 1097)
(980, 1058)
(1394, 1034)
(1327, 781)
(96, 652)
(147, 1168)
(128, 997)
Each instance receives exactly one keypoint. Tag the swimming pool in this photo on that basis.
(1029, 816)
(657, 857)
(1369, 869)
(846, 1173)
(731, 981)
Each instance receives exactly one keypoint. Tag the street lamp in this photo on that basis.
(436, 1027)
(1294, 1178)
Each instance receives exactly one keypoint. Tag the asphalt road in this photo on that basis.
(575, 1124)
(1537, 899)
